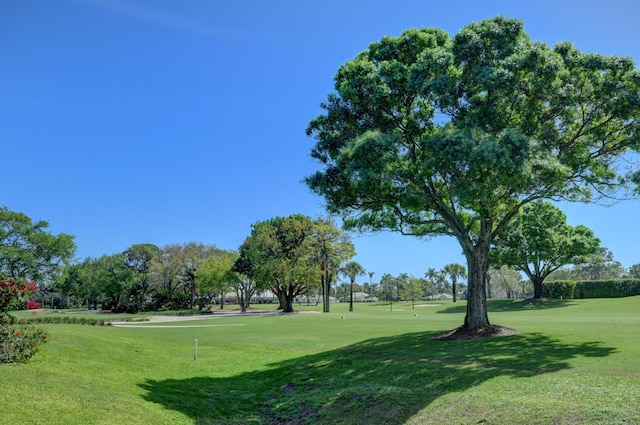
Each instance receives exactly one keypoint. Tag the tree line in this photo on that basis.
(289, 257)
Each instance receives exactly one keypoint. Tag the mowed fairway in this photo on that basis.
(572, 362)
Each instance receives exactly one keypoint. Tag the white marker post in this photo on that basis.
(195, 350)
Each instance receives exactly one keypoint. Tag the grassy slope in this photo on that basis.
(572, 362)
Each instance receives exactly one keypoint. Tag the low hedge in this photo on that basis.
(65, 320)
(591, 288)
(559, 289)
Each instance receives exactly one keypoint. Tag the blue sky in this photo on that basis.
(163, 121)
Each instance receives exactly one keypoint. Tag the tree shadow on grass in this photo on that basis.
(512, 305)
(382, 380)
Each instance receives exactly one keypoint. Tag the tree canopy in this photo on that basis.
(215, 276)
(279, 253)
(430, 135)
(28, 250)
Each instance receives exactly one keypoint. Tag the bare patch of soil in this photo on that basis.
(463, 333)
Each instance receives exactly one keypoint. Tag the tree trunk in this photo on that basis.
(537, 287)
(246, 300)
(281, 301)
(323, 289)
(242, 302)
(454, 289)
(285, 298)
(326, 289)
(286, 301)
(477, 265)
(351, 296)
(327, 297)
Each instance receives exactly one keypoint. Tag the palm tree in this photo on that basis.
(139, 290)
(352, 269)
(455, 270)
(437, 279)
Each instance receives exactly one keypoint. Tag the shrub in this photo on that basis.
(19, 342)
(14, 294)
(32, 305)
(165, 300)
(57, 320)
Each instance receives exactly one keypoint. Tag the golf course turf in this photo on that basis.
(570, 362)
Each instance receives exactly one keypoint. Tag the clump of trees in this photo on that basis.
(147, 277)
(600, 265)
(288, 256)
(406, 287)
(435, 283)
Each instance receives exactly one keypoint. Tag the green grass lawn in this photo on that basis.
(572, 362)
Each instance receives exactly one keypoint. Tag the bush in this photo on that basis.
(15, 294)
(165, 300)
(19, 342)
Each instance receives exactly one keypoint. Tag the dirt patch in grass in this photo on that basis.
(463, 333)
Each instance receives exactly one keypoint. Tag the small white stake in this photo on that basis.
(195, 350)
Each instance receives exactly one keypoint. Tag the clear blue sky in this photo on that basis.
(163, 121)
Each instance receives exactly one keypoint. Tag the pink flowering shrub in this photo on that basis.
(12, 294)
(32, 305)
(18, 342)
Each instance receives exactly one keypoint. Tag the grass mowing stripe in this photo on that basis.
(177, 326)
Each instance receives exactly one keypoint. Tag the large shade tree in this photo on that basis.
(29, 250)
(539, 241)
(431, 135)
(279, 253)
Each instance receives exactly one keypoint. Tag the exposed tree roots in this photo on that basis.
(463, 333)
